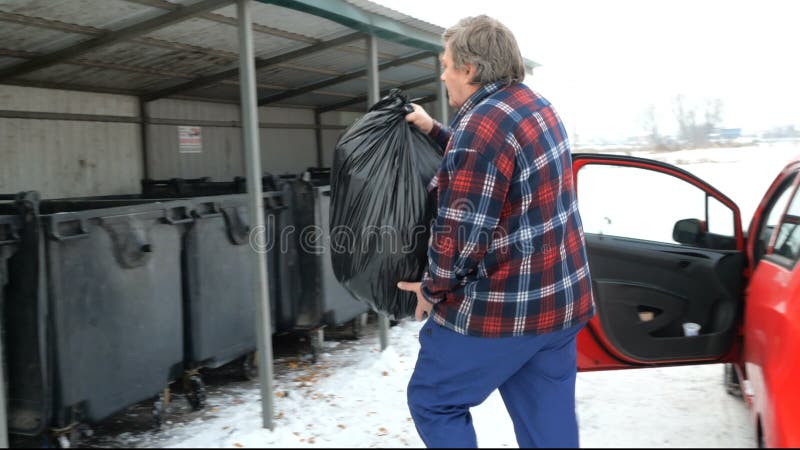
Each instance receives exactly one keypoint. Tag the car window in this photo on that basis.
(773, 215)
(787, 242)
(644, 204)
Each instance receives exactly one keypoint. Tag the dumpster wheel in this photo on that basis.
(195, 390)
(160, 406)
(69, 436)
(316, 339)
(358, 325)
(249, 367)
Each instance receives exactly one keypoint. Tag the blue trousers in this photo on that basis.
(535, 376)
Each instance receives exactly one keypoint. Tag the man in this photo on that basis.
(508, 281)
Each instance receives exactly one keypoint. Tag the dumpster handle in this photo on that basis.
(83, 233)
(180, 212)
(207, 206)
(274, 202)
(11, 233)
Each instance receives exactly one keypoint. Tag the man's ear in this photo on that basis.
(470, 71)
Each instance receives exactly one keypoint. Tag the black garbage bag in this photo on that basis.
(380, 206)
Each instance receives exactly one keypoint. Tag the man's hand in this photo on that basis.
(424, 307)
(420, 118)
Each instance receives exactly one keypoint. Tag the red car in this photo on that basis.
(667, 249)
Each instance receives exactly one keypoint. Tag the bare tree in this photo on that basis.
(691, 132)
(650, 125)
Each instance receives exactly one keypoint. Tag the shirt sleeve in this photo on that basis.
(471, 194)
(440, 134)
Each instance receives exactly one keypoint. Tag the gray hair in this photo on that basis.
(488, 45)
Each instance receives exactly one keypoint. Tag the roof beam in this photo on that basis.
(426, 99)
(363, 98)
(48, 24)
(70, 87)
(419, 101)
(112, 37)
(341, 79)
(344, 13)
(260, 64)
(219, 18)
(97, 32)
(257, 28)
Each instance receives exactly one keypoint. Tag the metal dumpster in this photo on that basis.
(320, 287)
(218, 274)
(283, 259)
(11, 235)
(29, 395)
(219, 277)
(93, 310)
(186, 187)
(281, 251)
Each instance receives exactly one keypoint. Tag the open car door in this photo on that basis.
(665, 249)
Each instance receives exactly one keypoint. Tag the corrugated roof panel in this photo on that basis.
(266, 46)
(204, 45)
(201, 33)
(420, 92)
(205, 33)
(391, 48)
(387, 49)
(6, 62)
(96, 77)
(291, 21)
(359, 87)
(81, 12)
(353, 87)
(35, 39)
(407, 72)
(393, 14)
(190, 63)
(229, 92)
(313, 100)
(336, 61)
(288, 77)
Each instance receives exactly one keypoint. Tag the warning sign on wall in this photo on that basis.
(190, 139)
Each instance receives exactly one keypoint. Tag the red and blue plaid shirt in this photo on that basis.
(507, 255)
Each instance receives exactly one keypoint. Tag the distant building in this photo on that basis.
(725, 135)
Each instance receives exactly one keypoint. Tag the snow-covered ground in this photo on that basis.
(355, 396)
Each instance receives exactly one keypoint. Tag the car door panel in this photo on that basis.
(670, 286)
(646, 288)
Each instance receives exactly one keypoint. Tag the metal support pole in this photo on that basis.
(373, 95)
(373, 75)
(318, 137)
(3, 416)
(441, 93)
(247, 77)
(144, 124)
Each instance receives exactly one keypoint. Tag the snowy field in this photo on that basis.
(354, 396)
(744, 173)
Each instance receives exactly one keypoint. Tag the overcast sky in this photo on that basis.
(604, 62)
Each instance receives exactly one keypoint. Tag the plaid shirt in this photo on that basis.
(507, 255)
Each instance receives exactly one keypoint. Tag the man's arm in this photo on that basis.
(471, 195)
(422, 120)
(440, 134)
